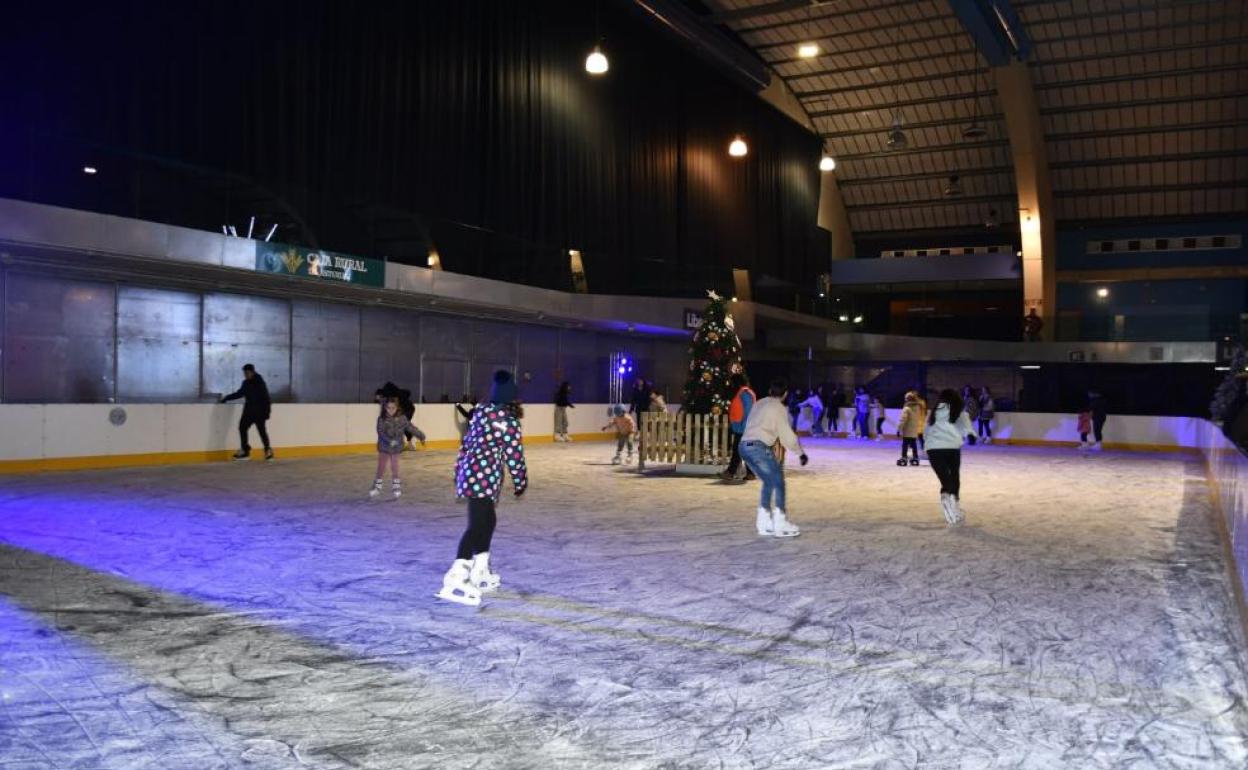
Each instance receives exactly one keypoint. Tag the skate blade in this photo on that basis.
(786, 534)
(449, 595)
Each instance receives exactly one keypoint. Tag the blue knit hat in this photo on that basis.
(503, 391)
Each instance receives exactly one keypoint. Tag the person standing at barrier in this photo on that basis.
(493, 446)
(640, 402)
(835, 406)
(257, 407)
(393, 428)
(987, 411)
(862, 412)
(947, 427)
(971, 405)
(767, 424)
(563, 402)
(878, 416)
(738, 412)
(1100, 413)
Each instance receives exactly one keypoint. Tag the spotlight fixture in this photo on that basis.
(808, 50)
(596, 63)
(827, 163)
(953, 188)
(89, 170)
(1102, 292)
(738, 148)
(896, 137)
(843, 318)
(857, 319)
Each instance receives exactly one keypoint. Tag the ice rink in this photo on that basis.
(269, 616)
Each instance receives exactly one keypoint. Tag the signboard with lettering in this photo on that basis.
(319, 264)
(693, 318)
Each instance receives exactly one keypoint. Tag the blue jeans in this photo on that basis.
(760, 459)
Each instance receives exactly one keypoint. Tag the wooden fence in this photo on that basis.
(696, 443)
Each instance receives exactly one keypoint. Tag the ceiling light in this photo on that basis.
(1102, 292)
(827, 163)
(808, 50)
(843, 318)
(896, 137)
(596, 62)
(88, 169)
(738, 148)
(857, 319)
(1029, 366)
(953, 188)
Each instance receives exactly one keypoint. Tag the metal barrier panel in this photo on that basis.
(59, 340)
(239, 329)
(325, 352)
(158, 344)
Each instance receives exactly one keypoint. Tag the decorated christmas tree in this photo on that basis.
(714, 356)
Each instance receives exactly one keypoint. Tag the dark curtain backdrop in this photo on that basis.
(386, 128)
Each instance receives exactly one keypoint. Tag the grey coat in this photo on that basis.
(391, 432)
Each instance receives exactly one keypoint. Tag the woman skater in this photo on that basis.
(493, 442)
(392, 428)
(947, 427)
(768, 423)
(987, 411)
(563, 402)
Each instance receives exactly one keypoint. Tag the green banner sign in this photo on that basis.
(320, 264)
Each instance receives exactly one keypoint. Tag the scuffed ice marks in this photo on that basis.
(267, 616)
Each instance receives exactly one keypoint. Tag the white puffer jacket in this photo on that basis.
(943, 434)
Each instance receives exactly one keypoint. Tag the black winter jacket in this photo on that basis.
(255, 395)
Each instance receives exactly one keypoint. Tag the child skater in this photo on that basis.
(393, 427)
(768, 423)
(909, 428)
(493, 443)
(624, 430)
(947, 427)
(1085, 427)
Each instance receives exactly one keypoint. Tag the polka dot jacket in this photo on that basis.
(492, 443)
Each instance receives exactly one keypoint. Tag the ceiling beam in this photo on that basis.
(1137, 131)
(878, 5)
(1178, 157)
(975, 73)
(960, 121)
(1138, 76)
(923, 59)
(857, 31)
(997, 31)
(924, 150)
(929, 203)
(887, 106)
(1201, 46)
(752, 12)
(961, 172)
(1159, 101)
(1238, 184)
(959, 35)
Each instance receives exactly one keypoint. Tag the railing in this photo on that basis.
(691, 442)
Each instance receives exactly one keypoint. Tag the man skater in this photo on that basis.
(256, 410)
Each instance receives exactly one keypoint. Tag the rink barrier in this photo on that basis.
(692, 443)
(1227, 471)
(68, 437)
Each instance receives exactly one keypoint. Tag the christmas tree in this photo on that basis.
(714, 357)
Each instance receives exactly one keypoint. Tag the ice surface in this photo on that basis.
(269, 616)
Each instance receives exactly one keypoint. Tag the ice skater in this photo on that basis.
(624, 430)
(768, 423)
(392, 429)
(878, 413)
(257, 408)
(493, 444)
(1084, 426)
(947, 427)
(563, 402)
(738, 413)
(862, 412)
(987, 411)
(909, 428)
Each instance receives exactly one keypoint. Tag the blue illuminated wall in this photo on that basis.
(1172, 308)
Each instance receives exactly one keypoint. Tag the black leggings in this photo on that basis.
(879, 425)
(985, 427)
(244, 425)
(948, 465)
(481, 521)
(912, 444)
(1098, 428)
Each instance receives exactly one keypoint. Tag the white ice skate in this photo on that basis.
(959, 515)
(782, 526)
(1095, 447)
(480, 576)
(946, 507)
(616, 460)
(376, 490)
(764, 523)
(457, 587)
(1083, 446)
(396, 488)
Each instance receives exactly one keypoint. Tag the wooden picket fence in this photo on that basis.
(694, 443)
